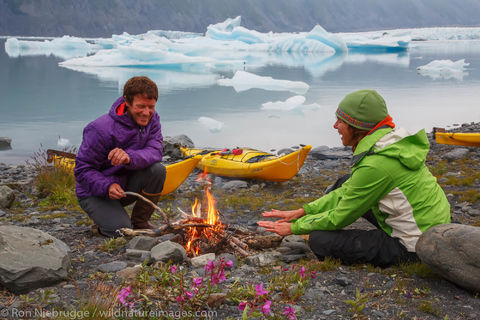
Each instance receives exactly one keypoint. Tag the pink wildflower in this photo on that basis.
(122, 297)
(242, 306)
(173, 269)
(289, 313)
(229, 263)
(188, 295)
(197, 282)
(210, 265)
(302, 272)
(313, 274)
(259, 289)
(266, 307)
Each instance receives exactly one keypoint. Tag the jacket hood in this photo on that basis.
(410, 150)
(125, 118)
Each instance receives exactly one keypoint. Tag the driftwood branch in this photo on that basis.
(167, 221)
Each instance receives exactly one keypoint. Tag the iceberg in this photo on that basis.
(444, 69)
(243, 81)
(66, 47)
(211, 124)
(287, 105)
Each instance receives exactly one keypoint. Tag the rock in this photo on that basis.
(474, 212)
(31, 259)
(342, 281)
(168, 250)
(141, 255)
(228, 257)
(456, 154)
(300, 247)
(142, 243)
(321, 153)
(7, 196)
(215, 300)
(262, 259)
(289, 258)
(113, 266)
(452, 251)
(5, 143)
(129, 272)
(293, 238)
(171, 145)
(284, 151)
(234, 185)
(202, 260)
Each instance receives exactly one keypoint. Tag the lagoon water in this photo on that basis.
(42, 101)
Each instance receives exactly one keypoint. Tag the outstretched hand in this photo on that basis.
(281, 228)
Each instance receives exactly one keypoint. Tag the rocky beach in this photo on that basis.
(132, 276)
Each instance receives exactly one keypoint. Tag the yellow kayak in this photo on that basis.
(250, 163)
(458, 138)
(177, 173)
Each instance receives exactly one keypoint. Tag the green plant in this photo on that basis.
(358, 304)
(428, 306)
(112, 244)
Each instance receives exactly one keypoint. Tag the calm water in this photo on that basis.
(42, 101)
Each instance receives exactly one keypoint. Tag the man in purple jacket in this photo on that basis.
(121, 151)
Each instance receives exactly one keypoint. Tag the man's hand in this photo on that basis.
(118, 157)
(115, 191)
(282, 228)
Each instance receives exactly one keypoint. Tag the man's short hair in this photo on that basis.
(140, 85)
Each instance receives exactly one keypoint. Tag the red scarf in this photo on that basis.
(388, 121)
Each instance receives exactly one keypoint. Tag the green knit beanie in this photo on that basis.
(362, 109)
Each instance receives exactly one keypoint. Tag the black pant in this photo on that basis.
(109, 214)
(359, 246)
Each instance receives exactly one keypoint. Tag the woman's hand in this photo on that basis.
(286, 216)
(281, 228)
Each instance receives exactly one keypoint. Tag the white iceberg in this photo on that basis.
(243, 81)
(66, 47)
(444, 69)
(211, 124)
(62, 142)
(287, 105)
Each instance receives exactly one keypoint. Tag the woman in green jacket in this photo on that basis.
(389, 185)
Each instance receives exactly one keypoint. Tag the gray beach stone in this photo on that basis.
(234, 185)
(171, 145)
(7, 196)
(263, 259)
(142, 243)
(31, 259)
(452, 251)
(456, 154)
(202, 260)
(5, 143)
(113, 266)
(168, 250)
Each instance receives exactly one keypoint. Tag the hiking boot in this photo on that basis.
(142, 211)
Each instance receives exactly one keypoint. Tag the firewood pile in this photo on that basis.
(195, 232)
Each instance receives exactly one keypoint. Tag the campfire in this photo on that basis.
(202, 231)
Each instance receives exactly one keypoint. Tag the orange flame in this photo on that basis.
(212, 219)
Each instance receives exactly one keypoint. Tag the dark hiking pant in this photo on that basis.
(109, 214)
(359, 246)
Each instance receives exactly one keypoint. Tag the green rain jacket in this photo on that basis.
(390, 177)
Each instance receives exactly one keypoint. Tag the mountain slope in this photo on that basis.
(96, 18)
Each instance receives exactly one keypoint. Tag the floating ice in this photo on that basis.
(62, 142)
(320, 34)
(287, 105)
(243, 81)
(66, 47)
(211, 124)
(444, 69)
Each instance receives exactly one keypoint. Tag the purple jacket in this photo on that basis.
(94, 173)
